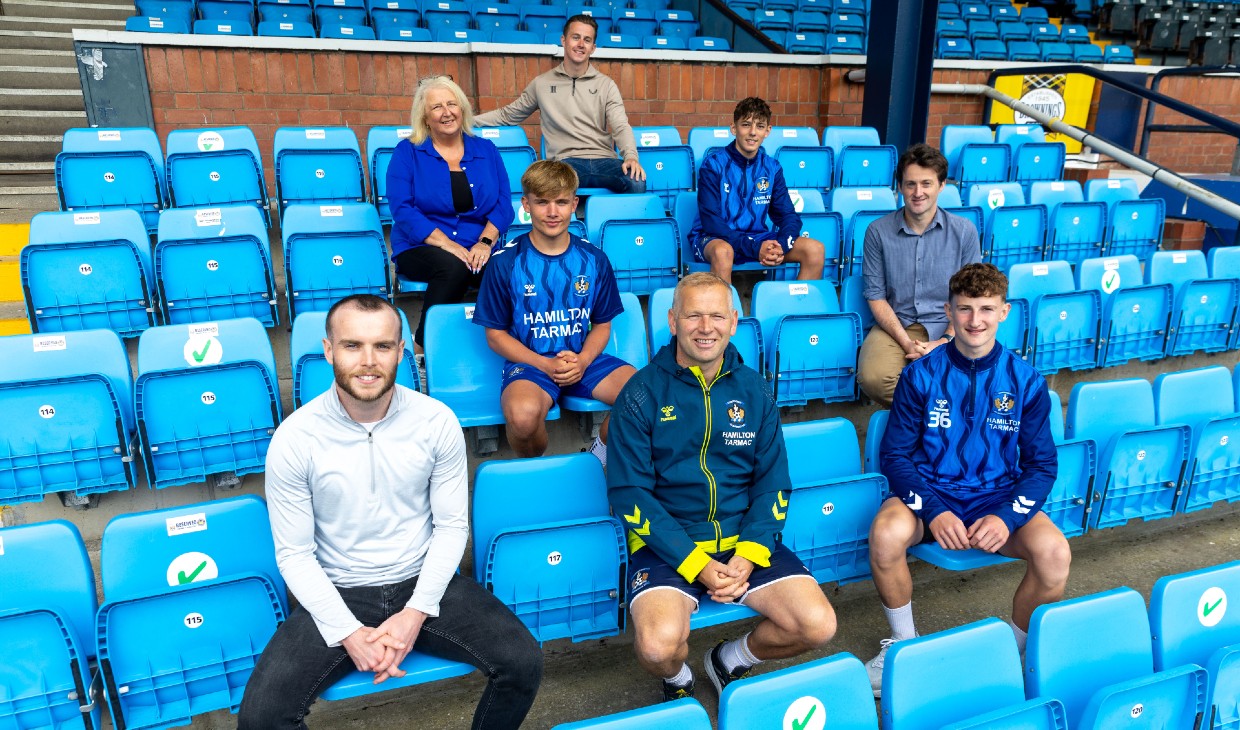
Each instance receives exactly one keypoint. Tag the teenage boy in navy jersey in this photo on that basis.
(739, 187)
(969, 458)
(547, 301)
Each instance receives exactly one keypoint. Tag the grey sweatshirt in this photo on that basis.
(355, 507)
(576, 115)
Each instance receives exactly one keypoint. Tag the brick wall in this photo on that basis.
(192, 87)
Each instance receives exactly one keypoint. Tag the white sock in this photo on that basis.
(599, 449)
(1021, 637)
(683, 678)
(901, 620)
(736, 653)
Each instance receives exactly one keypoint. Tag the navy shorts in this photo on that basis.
(746, 253)
(647, 572)
(968, 510)
(598, 370)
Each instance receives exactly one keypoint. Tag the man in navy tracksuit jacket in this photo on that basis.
(739, 186)
(969, 459)
(699, 476)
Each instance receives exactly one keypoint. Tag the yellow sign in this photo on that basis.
(1066, 97)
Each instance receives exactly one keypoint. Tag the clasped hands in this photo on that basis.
(565, 368)
(382, 649)
(726, 583)
(989, 533)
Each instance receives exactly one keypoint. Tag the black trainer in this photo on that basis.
(675, 691)
(719, 676)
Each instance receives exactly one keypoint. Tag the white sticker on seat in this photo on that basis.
(331, 211)
(48, 343)
(316, 134)
(1041, 269)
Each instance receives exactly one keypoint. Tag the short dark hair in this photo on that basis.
(922, 155)
(978, 280)
(364, 302)
(752, 107)
(581, 19)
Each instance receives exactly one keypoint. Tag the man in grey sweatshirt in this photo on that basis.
(582, 115)
(368, 496)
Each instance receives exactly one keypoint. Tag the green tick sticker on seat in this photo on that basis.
(1212, 606)
(805, 713)
(191, 568)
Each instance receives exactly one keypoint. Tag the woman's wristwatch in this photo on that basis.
(487, 240)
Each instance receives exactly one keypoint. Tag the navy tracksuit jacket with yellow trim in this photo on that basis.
(697, 468)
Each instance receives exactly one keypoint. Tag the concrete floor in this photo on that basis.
(600, 677)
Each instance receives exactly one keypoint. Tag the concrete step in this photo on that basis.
(42, 9)
(29, 38)
(36, 77)
(50, 58)
(23, 121)
(57, 25)
(21, 200)
(29, 147)
(56, 99)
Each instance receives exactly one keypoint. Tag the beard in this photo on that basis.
(344, 381)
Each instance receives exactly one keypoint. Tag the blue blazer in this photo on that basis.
(420, 193)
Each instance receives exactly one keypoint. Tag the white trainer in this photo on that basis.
(874, 667)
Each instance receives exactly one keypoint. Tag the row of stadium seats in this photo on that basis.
(1011, 152)
(993, 49)
(1011, 30)
(1173, 666)
(205, 574)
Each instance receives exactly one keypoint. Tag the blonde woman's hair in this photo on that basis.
(417, 115)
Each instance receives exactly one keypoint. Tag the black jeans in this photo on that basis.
(447, 278)
(472, 627)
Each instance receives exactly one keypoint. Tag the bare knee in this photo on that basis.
(816, 625)
(1052, 560)
(719, 253)
(889, 538)
(812, 252)
(661, 643)
(525, 418)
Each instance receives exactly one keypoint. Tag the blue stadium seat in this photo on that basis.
(1074, 33)
(1068, 500)
(1170, 698)
(852, 299)
(411, 35)
(1135, 316)
(516, 160)
(673, 43)
(990, 49)
(390, 18)
(644, 252)
(627, 342)
(854, 241)
(1205, 308)
(828, 229)
(1014, 331)
(328, 16)
(495, 17)
(1010, 31)
(867, 166)
(1224, 263)
(228, 10)
(47, 628)
(1038, 161)
(278, 13)
(811, 347)
(676, 24)
(811, 20)
(983, 163)
(1018, 135)
(1015, 234)
(617, 40)
(748, 342)
(88, 270)
(461, 370)
(1112, 190)
(318, 165)
(205, 575)
(1044, 33)
(69, 422)
(213, 167)
(547, 546)
(1192, 619)
(669, 171)
(207, 400)
(1224, 687)
(509, 136)
(850, 201)
(603, 208)
(1037, 714)
(685, 714)
(855, 7)
(952, 47)
(949, 10)
(157, 24)
(439, 15)
(1086, 53)
(657, 136)
(1118, 54)
(848, 44)
(832, 503)
(1059, 663)
(350, 31)
(955, 137)
(286, 28)
(312, 374)
(1139, 463)
(772, 19)
(1024, 51)
(638, 22)
(807, 167)
(108, 168)
(983, 29)
(659, 331)
(1076, 228)
(972, 214)
(1136, 227)
(459, 35)
(330, 252)
(1063, 321)
(950, 676)
(1034, 14)
(834, 687)
(1203, 399)
(214, 263)
(709, 43)
(951, 28)
(380, 143)
(847, 21)
(781, 137)
(990, 196)
(1054, 52)
(703, 139)
(223, 27)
